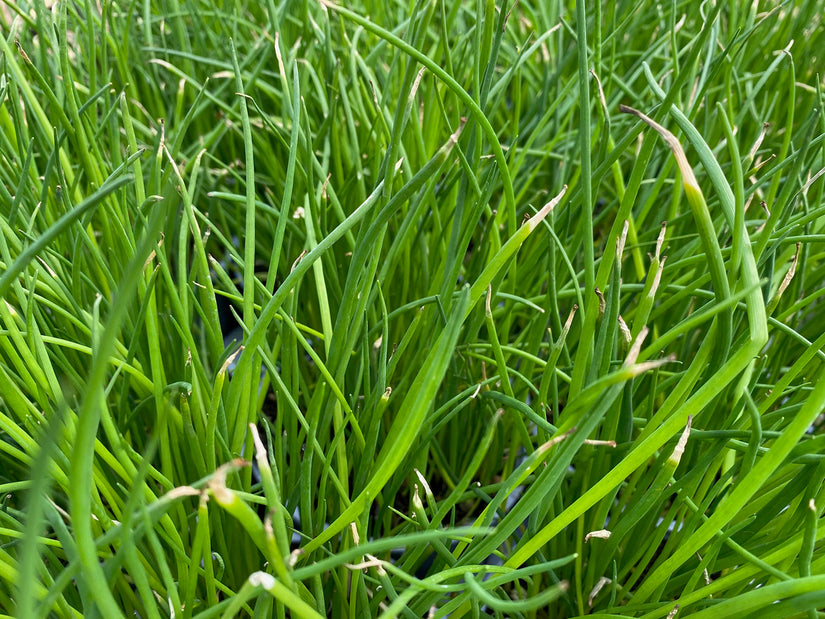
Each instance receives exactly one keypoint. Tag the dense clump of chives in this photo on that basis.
(443, 308)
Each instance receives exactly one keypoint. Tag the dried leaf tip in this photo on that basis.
(555, 440)
(260, 450)
(786, 281)
(679, 450)
(569, 322)
(759, 139)
(217, 484)
(182, 491)
(660, 240)
(602, 302)
(604, 580)
(262, 579)
(600, 534)
(620, 242)
(625, 330)
(536, 219)
(688, 178)
(453, 139)
(634, 351)
(230, 360)
(657, 278)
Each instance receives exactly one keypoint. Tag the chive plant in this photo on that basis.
(412, 309)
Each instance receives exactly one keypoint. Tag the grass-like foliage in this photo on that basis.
(427, 308)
